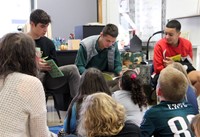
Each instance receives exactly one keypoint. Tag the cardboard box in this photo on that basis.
(73, 44)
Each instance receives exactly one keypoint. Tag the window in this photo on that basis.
(14, 14)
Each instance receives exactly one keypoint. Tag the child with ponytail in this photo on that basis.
(131, 96)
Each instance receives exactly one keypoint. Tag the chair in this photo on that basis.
(147, 49)
(152, 94)
(60, 97)
(137, 60)
(48, 94)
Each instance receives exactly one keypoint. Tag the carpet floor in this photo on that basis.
(53, 121)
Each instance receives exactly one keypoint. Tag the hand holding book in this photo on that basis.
(176, 58)
(55, 71)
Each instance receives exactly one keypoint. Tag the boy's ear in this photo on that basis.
(158, 91)
(101, 33)
(32, 23)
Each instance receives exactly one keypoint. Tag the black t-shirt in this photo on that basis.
(129, 130)
(47, 47)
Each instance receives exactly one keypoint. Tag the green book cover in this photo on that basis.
(108, 76)
(55, 72)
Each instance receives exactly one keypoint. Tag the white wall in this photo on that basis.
(110, 11)
(66, 14)
(191, 27)
(182, 8)
(13, 14)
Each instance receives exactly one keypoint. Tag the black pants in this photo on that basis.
(154, 81)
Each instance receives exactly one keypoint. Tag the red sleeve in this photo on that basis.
(190, 50)
(158, 58)
(187, 45)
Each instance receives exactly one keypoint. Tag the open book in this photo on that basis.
(55, 72)
(176, 57)
(109, 76)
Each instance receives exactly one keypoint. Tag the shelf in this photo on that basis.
(192, 16)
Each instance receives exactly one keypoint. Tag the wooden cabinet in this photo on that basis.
(182, 8)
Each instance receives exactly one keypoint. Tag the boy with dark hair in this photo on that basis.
(39, 22)
(173, 45)
(100, 51)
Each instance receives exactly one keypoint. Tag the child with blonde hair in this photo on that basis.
(102, 116)
(195, 125)
(172, 116)
(191, 96)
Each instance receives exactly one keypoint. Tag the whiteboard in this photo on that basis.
(148, 18)
(192, 26)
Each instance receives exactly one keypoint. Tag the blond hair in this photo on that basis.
(100, 115)
(195, 124)
(173, 84)
(180, 67)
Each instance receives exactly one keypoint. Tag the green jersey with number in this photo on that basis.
(168, 119)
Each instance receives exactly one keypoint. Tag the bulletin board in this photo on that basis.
(148, 19)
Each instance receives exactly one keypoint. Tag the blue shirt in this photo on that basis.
(72, 121)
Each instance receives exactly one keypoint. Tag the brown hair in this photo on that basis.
(40, 16)
(17, 54)
(110, 29)
(91, 81)
(135, 87)
(174, 24)
(195, 124)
